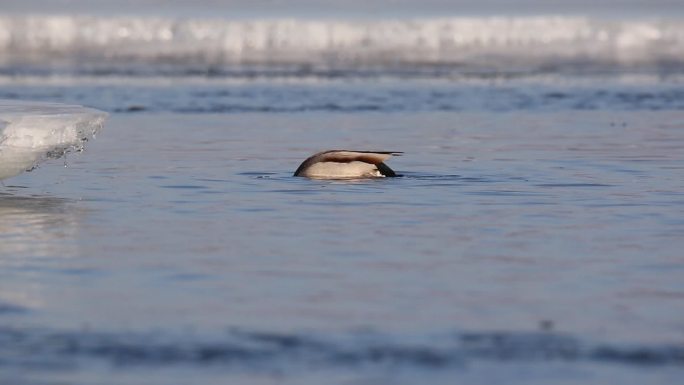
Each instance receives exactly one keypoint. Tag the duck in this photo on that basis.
(347, 164)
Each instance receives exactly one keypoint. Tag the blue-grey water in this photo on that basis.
(528, 245)
(535, 235)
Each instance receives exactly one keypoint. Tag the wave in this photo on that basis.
(480, 44)
(240, 348)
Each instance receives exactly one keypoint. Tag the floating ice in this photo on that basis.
(471, 43)
(31, 132)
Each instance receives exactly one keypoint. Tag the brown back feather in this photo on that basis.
(347, 156)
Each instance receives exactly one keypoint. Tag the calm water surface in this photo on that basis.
(535, 237)
(526, 246)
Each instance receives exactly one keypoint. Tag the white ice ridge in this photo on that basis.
(31, 132)
(468, 41)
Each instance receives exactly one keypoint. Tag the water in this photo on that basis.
(535, 236)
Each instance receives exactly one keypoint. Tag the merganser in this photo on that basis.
(345, 164)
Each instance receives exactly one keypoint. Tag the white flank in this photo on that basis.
(336, 170)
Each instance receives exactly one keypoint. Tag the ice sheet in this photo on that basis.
(470, 43)
(31, 132)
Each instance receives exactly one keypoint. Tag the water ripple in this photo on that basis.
(239, 348)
